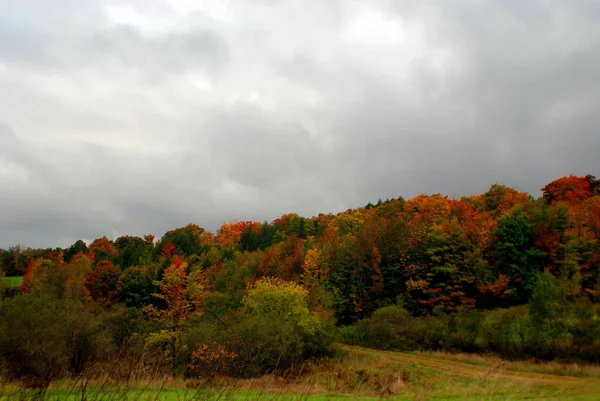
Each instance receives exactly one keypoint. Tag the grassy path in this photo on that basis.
(471, 370)
(462, 380)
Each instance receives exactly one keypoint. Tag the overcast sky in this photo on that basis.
(139, 117)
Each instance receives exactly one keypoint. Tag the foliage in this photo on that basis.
(571, 189)
(50, 278)
(424, 273)
(136, 286)
(60, 338)
(516, 255)
(274, 330)
(102, 282)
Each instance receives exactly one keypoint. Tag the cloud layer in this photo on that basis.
(139, 117)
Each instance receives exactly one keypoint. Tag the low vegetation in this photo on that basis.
(550, 327)
(354, 373)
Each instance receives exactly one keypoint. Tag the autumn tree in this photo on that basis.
(172, 290)
(570, 189)
(77, 247)
(102, 282)
(103, 249)
(230, 234)
(189, 240)
(51, 278)
(172, 316)
(132, 251)
(500, 199)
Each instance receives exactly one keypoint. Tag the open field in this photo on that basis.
(365, 374)
(14, 281)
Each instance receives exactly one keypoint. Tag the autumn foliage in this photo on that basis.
(436, 254)
(571, 189)
(255, 297)
(440, 253)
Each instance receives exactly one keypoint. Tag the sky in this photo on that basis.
(138, 117)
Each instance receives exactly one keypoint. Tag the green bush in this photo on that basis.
(42, 339)
(355, 334)
(504, 331)
(429, 332)
(464, 330)
(274, 330)
(389, 328)
(216, 304)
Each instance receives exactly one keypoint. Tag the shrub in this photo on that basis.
(216, 304)
(42, 339)
(355, 334)
(463, 331)
(505, 332)
(389, 328)
(430, 332)
(274, 330)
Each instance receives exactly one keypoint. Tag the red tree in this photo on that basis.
(570, 189)
(102, 283)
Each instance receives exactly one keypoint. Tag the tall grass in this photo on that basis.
(352, 373)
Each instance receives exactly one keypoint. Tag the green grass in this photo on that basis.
(442, 376)
(14, 281)
(167, 394)
(360, 373)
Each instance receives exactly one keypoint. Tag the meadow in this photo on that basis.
(14, 281)
(355, 373)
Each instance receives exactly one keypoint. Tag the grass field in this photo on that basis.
(366, 374)
(14, 281)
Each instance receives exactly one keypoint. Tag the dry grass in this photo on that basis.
(355, 373)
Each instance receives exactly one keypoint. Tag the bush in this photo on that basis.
(274, 330)
(430, 332)
(389, 328)
(463, 331)
(586, 329)
(216, 304)
(505, 332)
(355, 334)
(42, 339)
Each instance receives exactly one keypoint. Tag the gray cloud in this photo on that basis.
(138, 117)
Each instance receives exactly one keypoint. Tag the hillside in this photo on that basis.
(499, 272)
(481, 251)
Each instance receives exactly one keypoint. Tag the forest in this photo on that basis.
(500, 272)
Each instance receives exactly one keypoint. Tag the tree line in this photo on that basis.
(439, 255)
(481, 251)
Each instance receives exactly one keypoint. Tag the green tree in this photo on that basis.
(515, 254)
(77, 247)
(550, 315)
(136, 286)
(280, 317)
(189, 240)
